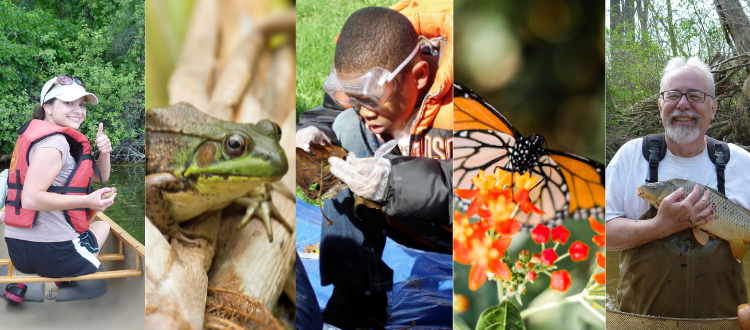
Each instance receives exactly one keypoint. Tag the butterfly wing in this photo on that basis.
(584, 179)
(568, 185)
(482, 137)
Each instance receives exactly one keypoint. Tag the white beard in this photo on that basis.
(683, 134)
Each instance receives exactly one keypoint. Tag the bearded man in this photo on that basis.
(664, 271)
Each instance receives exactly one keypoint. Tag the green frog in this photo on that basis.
(196, 163)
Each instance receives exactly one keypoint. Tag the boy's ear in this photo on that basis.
(421, 72)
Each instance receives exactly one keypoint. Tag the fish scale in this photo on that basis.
(730, 221)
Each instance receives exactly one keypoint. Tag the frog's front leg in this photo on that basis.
(157, 208)
(258, 203)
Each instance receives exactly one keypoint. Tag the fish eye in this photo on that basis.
(234, 145)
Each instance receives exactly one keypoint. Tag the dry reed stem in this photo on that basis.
(192, 78)
(233, 81)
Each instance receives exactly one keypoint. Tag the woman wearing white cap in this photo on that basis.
(49, 196)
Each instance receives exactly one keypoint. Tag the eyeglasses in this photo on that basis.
(692, 97)
(66, 80)
(370, 89)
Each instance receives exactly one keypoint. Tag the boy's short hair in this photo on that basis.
(374, 36)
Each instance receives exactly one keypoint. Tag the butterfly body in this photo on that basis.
(568, 185)
(526, 152)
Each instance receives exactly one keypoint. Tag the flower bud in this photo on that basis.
(531, 276)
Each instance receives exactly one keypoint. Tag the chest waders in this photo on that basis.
(675, 276)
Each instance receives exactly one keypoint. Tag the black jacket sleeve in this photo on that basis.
(322, 117)
(420, 188)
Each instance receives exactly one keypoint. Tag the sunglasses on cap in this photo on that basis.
(370, 89)
(65, 80)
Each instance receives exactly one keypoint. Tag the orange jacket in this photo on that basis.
(432, 19)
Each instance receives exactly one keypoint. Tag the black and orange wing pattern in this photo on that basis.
(568, 185)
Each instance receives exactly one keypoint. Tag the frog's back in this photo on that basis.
(166, 132)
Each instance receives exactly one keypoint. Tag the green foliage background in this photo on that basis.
(99, 41)
(636, 54)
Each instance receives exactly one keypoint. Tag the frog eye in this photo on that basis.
(278, 129)
(269, 128)
(234, 145)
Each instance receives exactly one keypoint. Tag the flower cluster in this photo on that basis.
(483, 244)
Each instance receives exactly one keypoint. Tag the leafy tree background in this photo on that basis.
(642, 36)
(99, 41)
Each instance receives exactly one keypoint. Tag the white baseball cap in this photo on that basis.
(67, 93)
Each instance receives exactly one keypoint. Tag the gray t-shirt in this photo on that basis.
(49, 226)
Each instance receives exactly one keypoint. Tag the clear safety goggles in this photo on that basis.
(370, 89)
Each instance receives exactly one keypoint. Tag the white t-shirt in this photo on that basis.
(629, 169)
(49, 226)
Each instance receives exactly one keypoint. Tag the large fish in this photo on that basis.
(730, 221)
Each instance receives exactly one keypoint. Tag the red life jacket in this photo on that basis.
(78, 183)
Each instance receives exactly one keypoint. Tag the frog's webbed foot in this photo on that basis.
(280, 187)
(258, 203)
(186, 237)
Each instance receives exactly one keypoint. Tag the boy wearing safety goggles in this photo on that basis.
(393, 70)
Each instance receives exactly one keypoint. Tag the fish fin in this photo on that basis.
(700, 235)
(738, 249)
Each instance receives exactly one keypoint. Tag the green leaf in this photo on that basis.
(503, 316)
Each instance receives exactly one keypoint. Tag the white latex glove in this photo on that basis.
(309, 135)
(367, 177)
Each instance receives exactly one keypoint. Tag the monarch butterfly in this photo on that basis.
(568, 185)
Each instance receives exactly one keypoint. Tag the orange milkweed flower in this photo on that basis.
(540, 234)
(484, 255)
(464, 231)
(599, 240)
(560, 234)
(601, 278)
(578, 251)
(549, 256)
(560, 280)
(524, 181)
(522, 198)
(500, 211)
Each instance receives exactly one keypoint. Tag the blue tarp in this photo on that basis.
(422, 281)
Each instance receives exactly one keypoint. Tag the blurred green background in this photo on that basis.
(166, 23)
(318, 24)
(541, 64)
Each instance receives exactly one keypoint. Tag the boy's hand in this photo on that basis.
(309, 135)
(367, 177)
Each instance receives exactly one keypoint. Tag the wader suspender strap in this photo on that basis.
(718, 151)
(655, 148)
(653, 162)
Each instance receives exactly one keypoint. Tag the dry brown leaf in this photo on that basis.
(314, 175)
